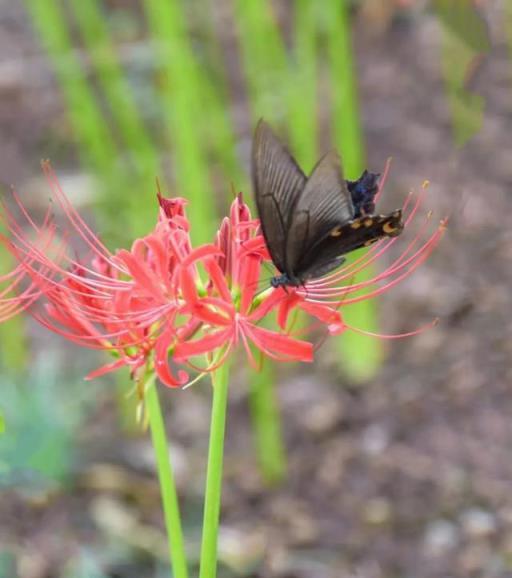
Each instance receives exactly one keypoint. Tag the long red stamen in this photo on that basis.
(421, 329)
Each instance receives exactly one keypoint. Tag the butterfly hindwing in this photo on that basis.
(343, 239)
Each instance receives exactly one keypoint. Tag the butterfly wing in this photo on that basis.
(324, 204)
(278, 182)
(328, 253)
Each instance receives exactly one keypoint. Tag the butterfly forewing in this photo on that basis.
(278, 182)
(324, 203)
(326, 195)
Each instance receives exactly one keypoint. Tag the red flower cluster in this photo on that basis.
(163, 303)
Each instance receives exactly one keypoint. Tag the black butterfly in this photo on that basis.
(310, 223)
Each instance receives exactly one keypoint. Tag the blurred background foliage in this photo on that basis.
(171, 90)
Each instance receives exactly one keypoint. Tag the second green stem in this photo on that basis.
(208, 567)
(167, 483)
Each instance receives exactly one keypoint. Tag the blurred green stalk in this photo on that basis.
(464, 41)
(266, 424)
(93, 136)
(268, 77)
(507, 21)
(220, 138)
(142, 151)
(13, 343)
(302, 94)
(264, 60)
(361, 356)
(95, 142)
(180, 90)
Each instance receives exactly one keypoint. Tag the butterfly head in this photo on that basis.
(363, 193)
(284, 280)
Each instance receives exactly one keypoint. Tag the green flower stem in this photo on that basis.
(266, 424)
(167, 484)
(361, 355)
(208, 567)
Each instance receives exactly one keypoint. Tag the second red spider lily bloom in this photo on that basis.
(126, 303)
(230, 312)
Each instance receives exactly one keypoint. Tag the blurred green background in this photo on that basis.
(379, 461)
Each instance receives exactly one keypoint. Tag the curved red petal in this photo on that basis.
(270, 341)
(201, 253)
(205, 344)
(188, 286)
(285, 307)
(324, 313)
(207, 315)
(141, 274)
(104, 369)
(217, 276)
(163, 371)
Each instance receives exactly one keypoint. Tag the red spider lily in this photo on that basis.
(165, 299)
(125, 303)
(229, 312)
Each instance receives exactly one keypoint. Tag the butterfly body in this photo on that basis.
(284, 280)
(310, 223)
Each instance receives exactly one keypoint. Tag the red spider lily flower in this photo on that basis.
(229, 312)
(125, 303)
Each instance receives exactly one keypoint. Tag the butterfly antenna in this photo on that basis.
(262, 282)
